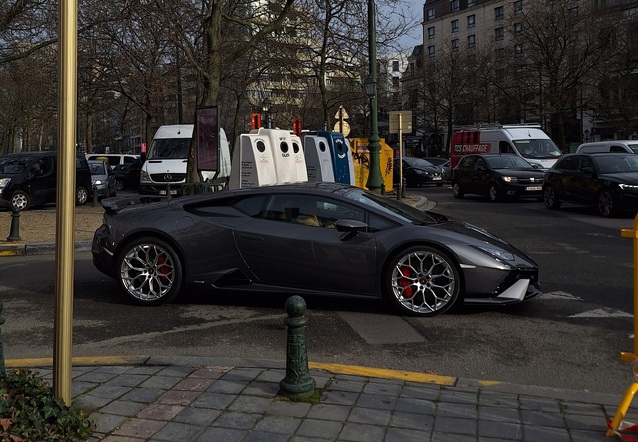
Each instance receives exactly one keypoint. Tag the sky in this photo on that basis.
(416, 12)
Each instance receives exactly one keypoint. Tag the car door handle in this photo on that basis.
(250, 237)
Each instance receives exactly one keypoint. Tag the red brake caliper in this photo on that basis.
(161, 260)
(405, 283)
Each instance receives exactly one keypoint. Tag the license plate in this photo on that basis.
(533, 188)
(436, 178)
(173, 192)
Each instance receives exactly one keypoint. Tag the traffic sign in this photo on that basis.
(341, 113)
(344, 129)
(406, 122)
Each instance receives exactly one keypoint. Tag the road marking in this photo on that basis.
(381, 329)
(560, 295)
(602, 313)
(407, 376)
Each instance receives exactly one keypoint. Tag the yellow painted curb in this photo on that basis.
(12, 250)
(408, 376)
(87, 360)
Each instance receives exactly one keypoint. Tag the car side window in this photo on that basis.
(310, 211)
(251, 206)
(480, 165)
(504, 147)
(586, 163)
(568, 163)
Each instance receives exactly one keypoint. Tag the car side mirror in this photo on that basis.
(350, 228)
(588, 170)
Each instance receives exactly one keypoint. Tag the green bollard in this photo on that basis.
(1, 343)
(14, 234)
(297, 381)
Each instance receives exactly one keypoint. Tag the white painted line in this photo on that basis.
(560, 295)
(381, 329)
(603, 313)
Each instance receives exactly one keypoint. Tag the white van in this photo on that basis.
(528, 141)
(114, 159)
(167, 160)
(626, 146)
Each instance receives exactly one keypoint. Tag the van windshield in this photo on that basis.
(169, 148)
(537, 148)
(14, 165)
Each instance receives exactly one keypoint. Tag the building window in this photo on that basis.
(500, 74)
(499, 34)
(454, 5)
(471, 21)
(499, 54)
(518, 6)
(471, 40)
(431, 13)
(431, 51)
(470, 3)
(455, 45)
(455, 26)
(431, 33)
(395, 65)
(471, 60)
(395, 82)
(518, 50)
(518, 28)
(499, 13)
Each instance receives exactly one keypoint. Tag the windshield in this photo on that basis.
(395, 208)
(537, 148)
(616, 163)
(169, 148)
(97, 168)
(417, 162)
(15, 165)
(633, 147)
(507, 162)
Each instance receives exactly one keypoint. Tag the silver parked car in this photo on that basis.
(102, 179)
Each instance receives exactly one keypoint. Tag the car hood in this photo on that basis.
(620, 177)
(434, 169)
(521, 173)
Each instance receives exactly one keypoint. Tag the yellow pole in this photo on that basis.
(626, 233)
(67, 53)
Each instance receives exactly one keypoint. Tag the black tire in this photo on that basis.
(550, 198)
(606, 203)
(149, 271)
(493, 193)
(422, 281)
(81, 196)
(456, 190)
(20, 200)
(119, 185)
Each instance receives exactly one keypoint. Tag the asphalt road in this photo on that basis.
(569, 338)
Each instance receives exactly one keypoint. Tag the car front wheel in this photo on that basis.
(20, 200)
(550, 198)
(149, 271)
(81, 196)
(119, 185)
(606, 203)
(456, 190)
(423, 281)
(492, 193)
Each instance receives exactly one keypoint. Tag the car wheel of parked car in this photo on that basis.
(149, 271)
(423, 281)
(492, 193)
(119, 185)
(606, 203)
(81, 196)
(456, 190)
(20, 200)
(550, 199)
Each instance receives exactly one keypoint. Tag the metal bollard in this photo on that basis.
(95, 198)
(14, 233)
(297, 381)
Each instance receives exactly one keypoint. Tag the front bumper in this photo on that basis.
(103, 256)
(494, 286)
(175, 189)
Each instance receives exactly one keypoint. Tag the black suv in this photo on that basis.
(29, 179)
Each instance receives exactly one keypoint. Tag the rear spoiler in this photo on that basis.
(114, 205)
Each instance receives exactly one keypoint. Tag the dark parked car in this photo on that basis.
(497, 176)
(417, 172)
(103, 179)
(443, 164)
(606, 181)
(314, 238)
(29, 179)
(127, 176)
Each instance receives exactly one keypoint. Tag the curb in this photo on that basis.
(23, 249)
(367, 372)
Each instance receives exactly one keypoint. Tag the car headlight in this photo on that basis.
(144, 177)
(4, 182)
(97, 182)
(497, 253)
(622, 186)
(421, 172)
(510, 179)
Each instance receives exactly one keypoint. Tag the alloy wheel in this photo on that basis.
(148, 272)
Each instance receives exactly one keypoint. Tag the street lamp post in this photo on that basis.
(266, 107)
(375, 180)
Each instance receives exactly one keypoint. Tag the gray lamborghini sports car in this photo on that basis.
(307, 239)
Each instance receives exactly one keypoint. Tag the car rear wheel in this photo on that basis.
(20, 200)
(81, 196)
(423, 281)
(456, 190)
(606, 203)
(119, 185)
(550, 198)
(149, 271)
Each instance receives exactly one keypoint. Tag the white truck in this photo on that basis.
(165, 167)
(524, 140)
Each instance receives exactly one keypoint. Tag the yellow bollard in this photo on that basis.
(624, 356)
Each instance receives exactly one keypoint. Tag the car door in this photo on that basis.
(294, 243)
(586, 183)
(564, 178)
(42, 183)
(480, 176)
(463, 174)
